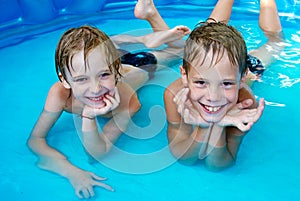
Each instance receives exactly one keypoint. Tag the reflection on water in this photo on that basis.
(286, 81)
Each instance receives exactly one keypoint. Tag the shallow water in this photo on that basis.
(141, 168)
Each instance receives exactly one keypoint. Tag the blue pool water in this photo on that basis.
(141, 167)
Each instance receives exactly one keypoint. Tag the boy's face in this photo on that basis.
(213, 87)
(91, 83)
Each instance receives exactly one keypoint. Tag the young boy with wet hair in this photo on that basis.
(95, 81)
(210, 108)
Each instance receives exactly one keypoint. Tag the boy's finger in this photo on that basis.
(245, 103)
(103, 185)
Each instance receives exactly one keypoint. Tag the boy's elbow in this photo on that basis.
(137, 107)
(182, 158)
(97, 156)
(30, 143)
(98, 152)
(35, 144)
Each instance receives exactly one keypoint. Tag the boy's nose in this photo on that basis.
(96, 87)
(213, 94)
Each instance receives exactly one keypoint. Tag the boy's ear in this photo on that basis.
(65, 83)
(183, 76)
(243, 79)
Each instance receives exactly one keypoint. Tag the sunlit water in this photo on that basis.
(141, 167)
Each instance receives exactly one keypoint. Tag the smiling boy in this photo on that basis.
(201, 106)
(210, 108)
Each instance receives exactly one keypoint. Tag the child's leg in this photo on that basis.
(168, 37)
(135, 77)
(222, 11)
(167, 57)
(268, 19)
(270, 24)
(146, 10)
(154, 39)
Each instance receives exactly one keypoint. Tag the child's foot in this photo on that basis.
(167, 37)
(181, 31)
(144, 9)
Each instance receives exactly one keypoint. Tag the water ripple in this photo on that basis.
(287, 81)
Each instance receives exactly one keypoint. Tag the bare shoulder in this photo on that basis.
(170, 107)
(172, 90)
(123, 86)
(128, 97)
(57, 98)
(125, 90)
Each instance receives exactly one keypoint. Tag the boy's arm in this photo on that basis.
(185, 142)
(218, 155)
(98, 144)
(240, 119)
(234, 134)
(37, 139)
(51, 159)
(181, 143)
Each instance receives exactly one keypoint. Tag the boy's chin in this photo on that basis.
(98, 105)
(212, 119)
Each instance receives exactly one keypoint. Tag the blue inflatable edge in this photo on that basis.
(17, 30)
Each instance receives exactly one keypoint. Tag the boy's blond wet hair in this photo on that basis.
(85, 38)
(216, 37)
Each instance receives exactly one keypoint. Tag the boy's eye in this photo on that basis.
(200, 82)
(228, 84)
(82, 79)
(105, 75)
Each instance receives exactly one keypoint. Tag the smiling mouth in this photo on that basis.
(98, 98)
(211, 109)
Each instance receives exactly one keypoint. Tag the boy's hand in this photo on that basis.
(242, 118)
(83, 182)
(187, 111)
(112, 101)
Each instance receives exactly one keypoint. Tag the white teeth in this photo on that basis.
(212, 109)
(96, 98)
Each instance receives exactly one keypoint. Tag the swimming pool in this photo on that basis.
(142, 168)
